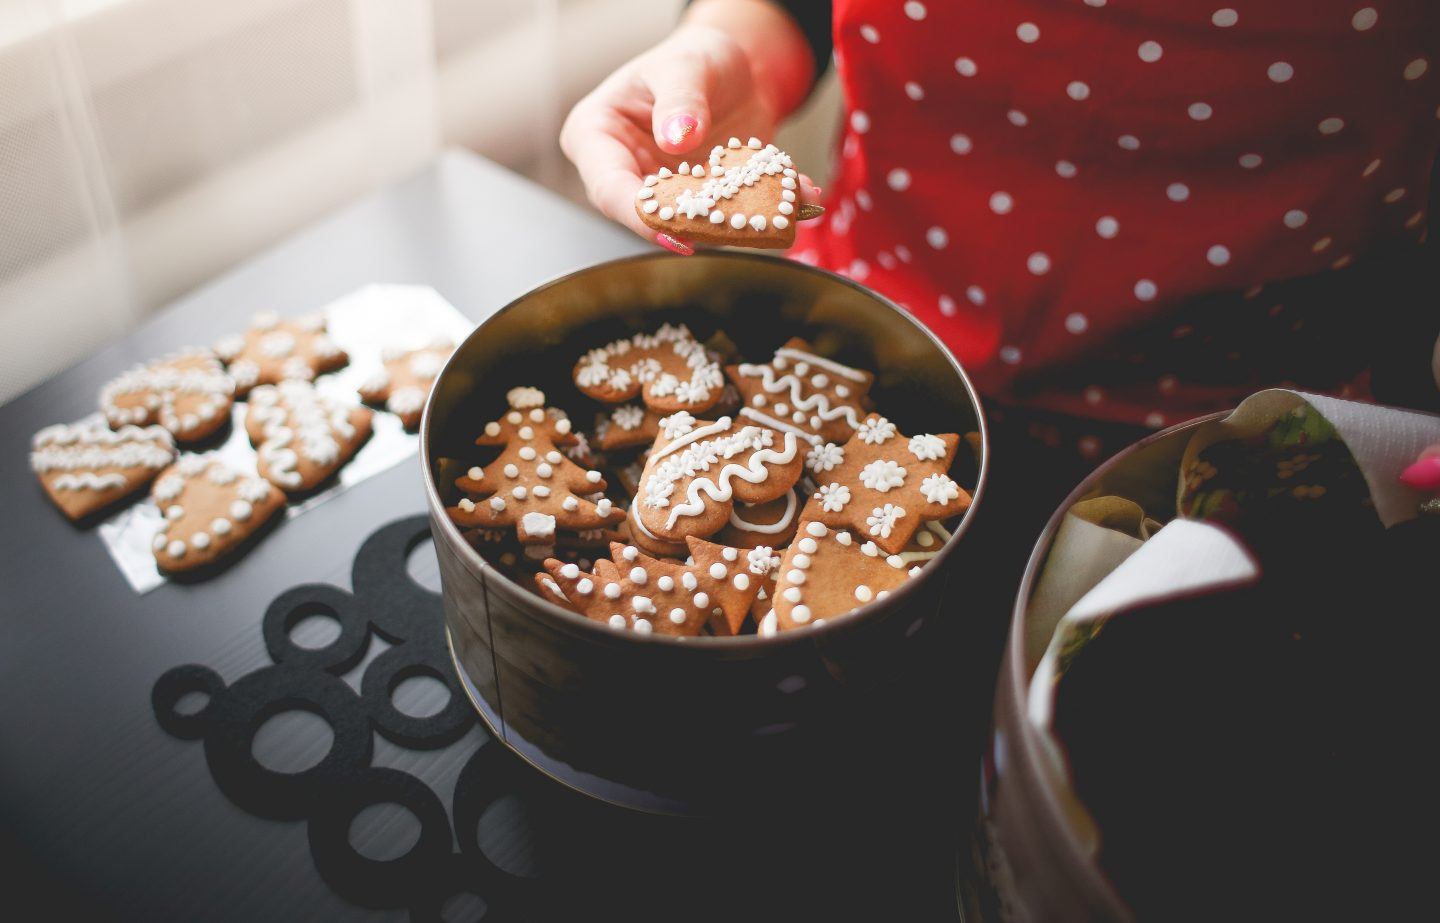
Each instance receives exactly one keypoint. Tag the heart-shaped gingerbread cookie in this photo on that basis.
(744, 195)
(85, 467)
(210, 509)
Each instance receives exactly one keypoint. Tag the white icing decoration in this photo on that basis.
(864, 593)
(882, 519)
(677, 424)
(762, 559)
(876, 431)
(628, 418)
(815, 403)
(883, 475)
(699, 454)
(781, 425)
(825, 457)
(927, 447)
(937, 488)
(833, 497)
(538, 524)
(779, 525)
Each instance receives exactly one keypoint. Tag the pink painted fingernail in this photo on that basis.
(1424, 475)
(817, 189)
(679, 127)
(673, 245)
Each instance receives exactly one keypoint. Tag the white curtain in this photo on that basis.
(148, 145)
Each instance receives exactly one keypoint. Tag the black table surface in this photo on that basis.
(102, 809)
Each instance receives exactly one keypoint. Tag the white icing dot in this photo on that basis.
(585, 586)
(809, 545)
(1145, 290)
(795, 576)
(1218, 255)
(1027, 32)
(717, 570)
(1150, 52)
(800, 614)
(864, 593)
(730, 554)
(527, 453)
(616, 621)
(176, 549)
(898, 179)
(570, 571)
(1225, 18)
(593, 477)
(688, 581)
(666, 583)
(643, 627)
(677, 616)
(1280, 71)
(1038, 263)
(794, 594)
(630, 553)
(966, 67)
(801, 561)
(1107, 227)
(1001, 203)
(512, 471)
(737, 221)
(817, 529)
(612, 591)
(741, 581)
(1078, 90)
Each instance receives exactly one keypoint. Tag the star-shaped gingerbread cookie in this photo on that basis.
(404, 383)
(647, 595)
(884, 484)
(532, 487)
(744, 195)
(274, 350)
(797, 391)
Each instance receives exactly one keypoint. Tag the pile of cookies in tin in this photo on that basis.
(740, 498)
(161, 417)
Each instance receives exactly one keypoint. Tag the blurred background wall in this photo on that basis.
(148, 145)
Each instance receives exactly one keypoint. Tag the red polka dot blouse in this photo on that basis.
(1133, 210)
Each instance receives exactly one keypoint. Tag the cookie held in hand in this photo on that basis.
(85, 467)
(210, 509)
(744, 195)
(301, 437)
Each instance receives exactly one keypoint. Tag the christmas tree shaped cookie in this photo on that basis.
(635, 591)
(532, 487)
(828, 573)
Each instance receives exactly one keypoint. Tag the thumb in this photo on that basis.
(681, 117)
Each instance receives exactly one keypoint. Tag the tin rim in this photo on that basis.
(576, 622)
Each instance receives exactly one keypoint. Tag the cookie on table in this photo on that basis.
(770, 523)
(744, 195)
(209, 510)
(819, 399)
(301, 438)
(275, 350)
(826, 574)
(667, 369)
(187, 392)
(404, 384)
(698, 471)
(532, 487)
(85, 467)
(643, 594)
(883, 484)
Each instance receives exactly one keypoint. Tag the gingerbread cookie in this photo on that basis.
(648, 541)
(85, 467)
(626, 426)
(816, 398)
(275, 350)
(698, 471)
(754, 524)
(404, 384)
(668, 369)
(883, 484)
(210, 509)
(300, 437)
(648, 595)
(825, 574)
(188, 393)
(532, 486)
(744, 195)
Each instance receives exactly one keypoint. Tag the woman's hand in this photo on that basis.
(733, 68)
